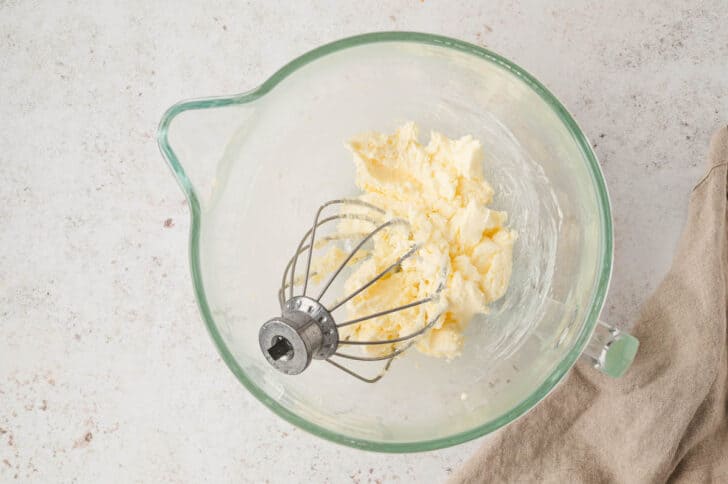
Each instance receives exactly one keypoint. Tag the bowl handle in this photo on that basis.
(610, 350)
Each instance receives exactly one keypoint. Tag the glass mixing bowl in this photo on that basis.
(255, 167)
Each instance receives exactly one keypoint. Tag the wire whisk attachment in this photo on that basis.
(307, 329)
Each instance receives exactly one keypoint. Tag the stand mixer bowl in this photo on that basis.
(254, 165)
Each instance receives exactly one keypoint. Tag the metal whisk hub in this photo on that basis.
(307, 330)
(304, 331)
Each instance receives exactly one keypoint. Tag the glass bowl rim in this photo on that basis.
(599, 292)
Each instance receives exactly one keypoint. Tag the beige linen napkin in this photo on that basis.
(665, 420)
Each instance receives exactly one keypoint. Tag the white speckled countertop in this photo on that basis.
(106, 372)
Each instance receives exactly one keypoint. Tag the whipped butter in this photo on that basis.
(439, 188)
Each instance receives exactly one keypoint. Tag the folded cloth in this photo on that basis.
(665, 420)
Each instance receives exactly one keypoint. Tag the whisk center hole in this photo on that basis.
(281, 349)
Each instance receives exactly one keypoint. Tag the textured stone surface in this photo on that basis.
(106, 373)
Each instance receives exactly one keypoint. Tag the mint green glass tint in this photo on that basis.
(610, 350)
(255, 166)
(620, 355)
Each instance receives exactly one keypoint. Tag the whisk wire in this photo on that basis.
(360, 377)
(385, 312)
(354, 251)
(375, 358)
(300, 249)
(325, 240)
(394, 265)
(389, 357)
(343, 201)
(429, 325)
